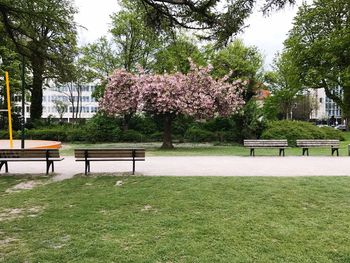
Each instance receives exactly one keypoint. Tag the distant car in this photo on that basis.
(341, 127)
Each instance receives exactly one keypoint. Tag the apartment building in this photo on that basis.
(327, 108)
(77, 100)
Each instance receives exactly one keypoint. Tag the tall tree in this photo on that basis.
(239, 62)
(320, 46)
(195, 94)
(135, 42)
(174, 57)
(284, 83)
(71, 86)
(99, 60)
(44, 32)
(219, 19)
(122, 95)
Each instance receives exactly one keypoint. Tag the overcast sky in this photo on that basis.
(267, 33)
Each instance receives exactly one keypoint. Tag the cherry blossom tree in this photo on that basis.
(195, 94)
(121, 96)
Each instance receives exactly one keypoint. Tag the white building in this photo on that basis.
(68, 94)
(327, 108)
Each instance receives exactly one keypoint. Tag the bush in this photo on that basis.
(102, 128)
(195, 134)
(293, 130)
(76, 135)
(132, 136)
(55, 134)
(143, 124)
(219, 124)
(4, 135)
(157, 136)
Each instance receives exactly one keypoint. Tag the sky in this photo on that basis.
(266, 33)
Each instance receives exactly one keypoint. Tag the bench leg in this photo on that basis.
(281, 152)
(48, 164)
(252, 152)
(133, 167)
(306, 150)
(335, 150)
(6, 166)
(87, 167)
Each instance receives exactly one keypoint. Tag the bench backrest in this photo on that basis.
(317, 143)
(138, 153)
(29, 153)
(265, 143)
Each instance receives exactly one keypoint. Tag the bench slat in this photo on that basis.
(29, 153)
(265, 143)
(318, 143)
(110, 159)
(106, 155)
(109, 153)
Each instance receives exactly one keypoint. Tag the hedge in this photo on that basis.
(293, 130)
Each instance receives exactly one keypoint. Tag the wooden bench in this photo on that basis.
(269, 144)
(113, 154)
(306, 144)
(29, 155)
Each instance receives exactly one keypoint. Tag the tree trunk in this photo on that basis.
(36, 100)
(167, 140)
(126, 120)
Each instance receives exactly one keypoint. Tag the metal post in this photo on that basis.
(23, 105)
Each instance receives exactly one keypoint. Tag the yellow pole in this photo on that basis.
(9, 107)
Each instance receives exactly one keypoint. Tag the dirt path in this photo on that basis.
(202, 166)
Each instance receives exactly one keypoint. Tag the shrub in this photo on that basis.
(4, 135)
(143, 124)
(132, 136)
(157, 136)
(219, 124)
(102, 128)
(331, 133)
(76, 135)
(293, 130)
(195, 134)
(55, 134)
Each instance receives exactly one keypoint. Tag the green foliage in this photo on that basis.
(100, 58)
(284, 84)
(214, 20)
(143, 124)
(195, 134)
(44, 32)
(243, 61)
(156, 137)
(4, 135)
(175, 56)
(135, 42)
(239, 62)
(252, 121)
(55, 134)
(293, 130)
(102, 128)
(132, 136)
(319, 44)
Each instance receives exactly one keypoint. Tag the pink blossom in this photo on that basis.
(196, 94)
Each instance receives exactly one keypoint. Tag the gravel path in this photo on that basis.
(202, 166)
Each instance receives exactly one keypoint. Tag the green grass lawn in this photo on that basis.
(207, 149)
(172, 219)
